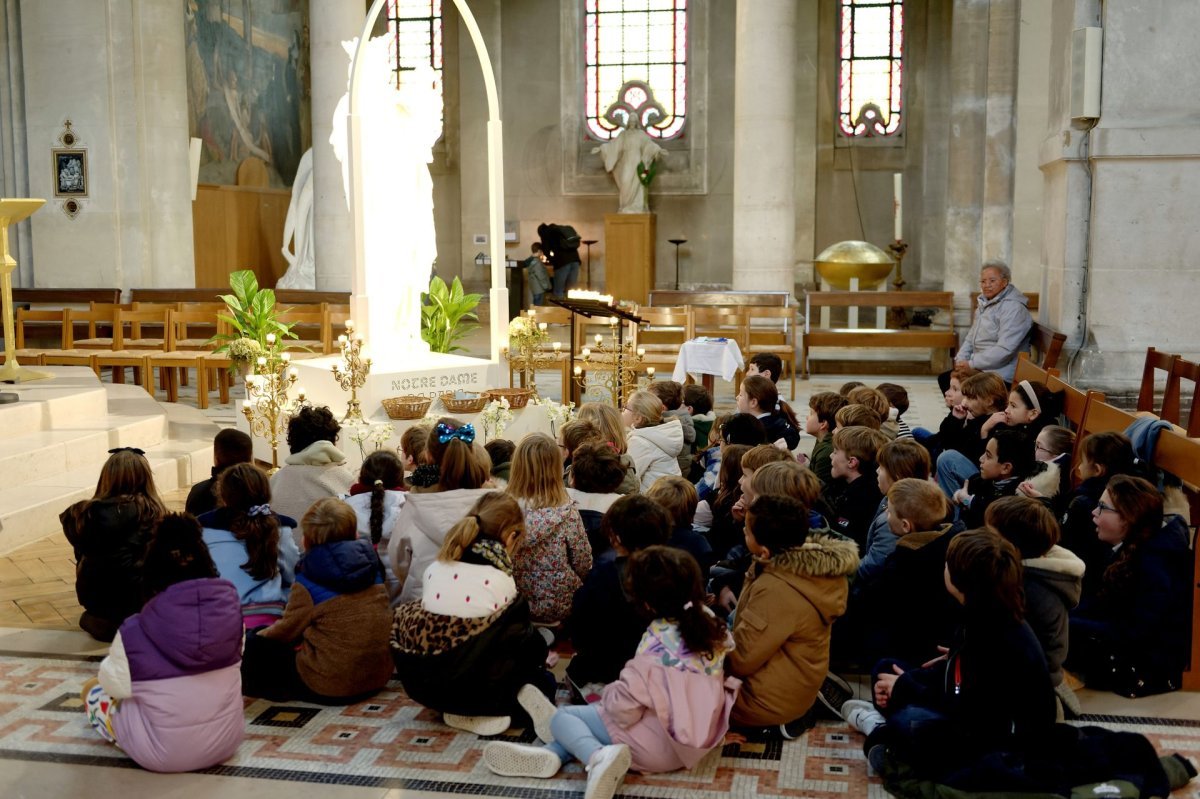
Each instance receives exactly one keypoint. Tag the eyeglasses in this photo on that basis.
(1043, 448)
(1102, 507)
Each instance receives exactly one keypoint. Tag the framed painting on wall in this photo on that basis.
(70, 173)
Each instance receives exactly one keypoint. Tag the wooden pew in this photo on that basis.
(1180, 455)
(940, 341)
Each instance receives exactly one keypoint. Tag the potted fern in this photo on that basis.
(447, 315)
(252, 317)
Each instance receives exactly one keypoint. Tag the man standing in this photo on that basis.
(1001, 327)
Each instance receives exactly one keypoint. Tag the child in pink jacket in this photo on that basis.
(669, 708)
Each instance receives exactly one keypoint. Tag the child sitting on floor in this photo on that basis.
(169, 692)
(596, 474)
(1005, 463)
(331, 645)
(854, 452)
(990, 693)
(670, 706)
(554, 554)
(1051, 475)
(670, 393)
(822, 411)
(698, 402)
(467, 647)
(793, 593)
(376, 500)
(606, 623)
(678, 498)
(500, 450)
(412, 448)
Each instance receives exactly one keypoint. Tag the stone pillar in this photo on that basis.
(14, 172)
(807, 91)
(764, 159)
(126, 96)
(331, 22)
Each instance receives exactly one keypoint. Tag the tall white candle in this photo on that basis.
(898, 195)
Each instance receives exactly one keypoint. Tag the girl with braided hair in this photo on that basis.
(376, 499)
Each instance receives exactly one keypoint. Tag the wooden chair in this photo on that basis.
(1172, 401)
(1101, 417)
(98, 322)
(1156, 361)
(661, 334)
(67, 354)
(42, 319)
(311, 325)
(1047, 343)
(786, 350)
(1075, 402)
(174, 362)
(1027, 369)
(1180, 455)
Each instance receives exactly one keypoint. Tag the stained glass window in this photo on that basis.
(642, 40)
(416, 28)
(870, 67)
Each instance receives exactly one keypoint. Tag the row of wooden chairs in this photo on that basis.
(663, 331)
(1175, 369)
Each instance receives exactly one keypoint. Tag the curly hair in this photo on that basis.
(667, 581)
(309, 425)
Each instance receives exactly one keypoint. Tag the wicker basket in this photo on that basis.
(517, 397)
(410, 407)
(474, 405)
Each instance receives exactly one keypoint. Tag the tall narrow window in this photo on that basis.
(643, 40)
(416, 30)
(870, 85)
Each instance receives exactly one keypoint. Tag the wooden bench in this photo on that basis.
(37, 328)
(283, 297)
(1180, 455)
(941, 341)
(1047, 343)
(670, 297)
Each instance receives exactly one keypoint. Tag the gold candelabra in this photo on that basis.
(529, 355)
(353, 376)
(267, 404)
(618, 363)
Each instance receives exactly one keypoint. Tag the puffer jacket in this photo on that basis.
(338, 614)
(689, 438)
(108, 540)
(781, 628)
(420, 530)
(1053, 586)
(655, 451)
(174, 671)
(999, 333)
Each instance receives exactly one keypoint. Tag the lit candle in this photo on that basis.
(612, 321)
(300, 391)
(585, 352)
(897, 195)
(262, 361)
(285, 357)
(358, 340)
(542, 327)
(293, 373)
(342, 339)
(578, 371)
(271, 339)
(641, 352)
(650, 372)
(349, 324)
(557, 346)
(599, 338)
(531, 313)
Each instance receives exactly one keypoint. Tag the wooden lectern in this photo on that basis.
(629, 256)
(13, 211)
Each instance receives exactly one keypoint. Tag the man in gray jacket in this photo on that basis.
(1001, 327)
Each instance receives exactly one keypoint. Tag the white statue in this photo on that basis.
(622, 155)
(301, 273)
(398, 128)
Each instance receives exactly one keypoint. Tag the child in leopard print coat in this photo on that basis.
(468, 648)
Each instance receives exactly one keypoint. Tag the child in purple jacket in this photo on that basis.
(169, 694)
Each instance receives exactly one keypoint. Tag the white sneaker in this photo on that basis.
(606, 771)
(480, 725)
(520, 760)
(540, 709)
(862, 715)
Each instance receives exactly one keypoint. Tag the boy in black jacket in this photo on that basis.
(1006, 461)
(853, 460)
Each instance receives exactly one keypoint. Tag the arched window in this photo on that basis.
(645, 40)
(870, 69)
(416, 28)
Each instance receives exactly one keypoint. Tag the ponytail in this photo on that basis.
(382, 470)
(667, 581)
(242, 488)
(494, 515)
(788, 414)
(376, 522)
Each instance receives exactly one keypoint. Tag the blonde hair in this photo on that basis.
(714, 432)
(859, 442)
(986, 386)
(329, 520)
(857, 416)
(607, 420)
(763, 454)
(918, 502)
(536, 474)
(789, 479)
(677, 497)
(875, 400)
(647, 406)
(494, 515)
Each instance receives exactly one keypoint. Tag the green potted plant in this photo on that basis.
(447, 315)
(251, 315)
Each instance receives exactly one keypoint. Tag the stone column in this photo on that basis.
(14, 172)
(764, 158)
(331, 22)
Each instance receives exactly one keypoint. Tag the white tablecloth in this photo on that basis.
(721, 357)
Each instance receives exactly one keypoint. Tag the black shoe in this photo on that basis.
(834, 693)
(794, 729)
